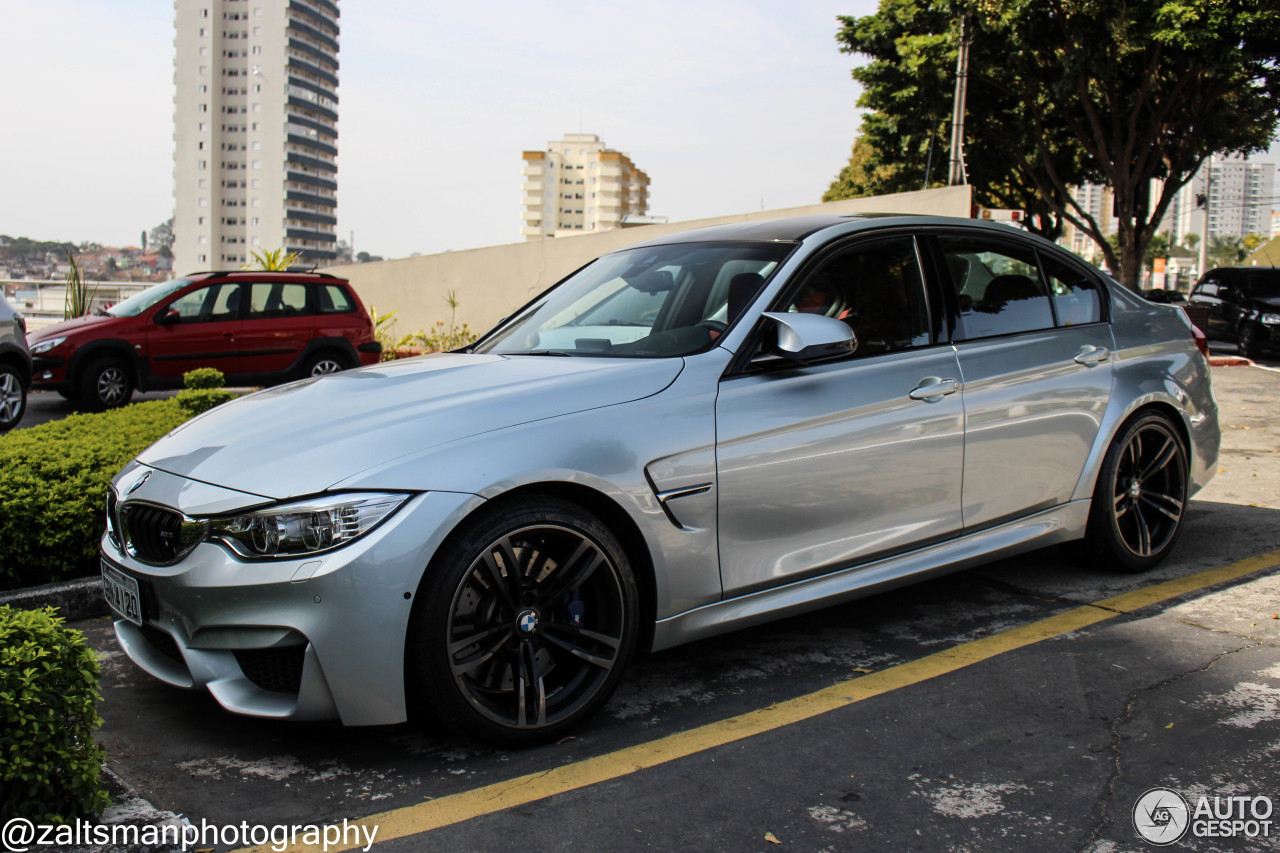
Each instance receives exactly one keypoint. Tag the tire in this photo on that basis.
(519, 659)
(13, 397)
(323, 363)
(1247, 341)
(105, 384)
(1140, 499)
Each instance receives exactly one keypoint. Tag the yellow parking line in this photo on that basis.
(433, 814)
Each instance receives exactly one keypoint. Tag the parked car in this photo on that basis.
(1164, 297)
(15, 365)
(1244, 307)
(686, 437)
(258, 328)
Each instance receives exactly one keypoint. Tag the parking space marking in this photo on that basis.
(456, 808)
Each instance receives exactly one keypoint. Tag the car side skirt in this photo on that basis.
(1060, 524)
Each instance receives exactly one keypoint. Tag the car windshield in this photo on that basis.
(136, 304)
(652, 302)
(1264, 284)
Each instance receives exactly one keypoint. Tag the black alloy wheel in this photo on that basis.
(1141, 496)
(105, 384)
(528, 627)
(1247, 341)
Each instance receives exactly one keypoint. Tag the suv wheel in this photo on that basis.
(1247, 341)
(13, 397)
(105, 384)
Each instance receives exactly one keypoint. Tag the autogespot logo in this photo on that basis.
(1161, 816)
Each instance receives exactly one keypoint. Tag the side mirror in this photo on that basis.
(168, 318)
(810, 337)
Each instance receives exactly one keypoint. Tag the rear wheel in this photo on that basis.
(105, 384)
(523, 629)
(324, 363)
(13, 397)
(1141, 497)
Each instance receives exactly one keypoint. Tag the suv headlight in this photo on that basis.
(45, 346)
(1271, 319)
(306, 527)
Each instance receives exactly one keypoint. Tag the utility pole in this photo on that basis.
(1208, 195)
(957, 175)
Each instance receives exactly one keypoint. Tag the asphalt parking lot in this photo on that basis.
(1024, 705)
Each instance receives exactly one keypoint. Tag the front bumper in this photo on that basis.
(305, 639)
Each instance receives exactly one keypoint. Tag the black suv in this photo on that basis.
(1244, 306)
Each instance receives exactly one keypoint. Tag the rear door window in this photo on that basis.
(997, 286)
(1076, 297)
(275, 299)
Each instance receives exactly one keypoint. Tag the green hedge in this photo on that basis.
(53, 488)
(50, 767)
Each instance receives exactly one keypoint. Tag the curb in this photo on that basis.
(1229, 361)
(80, 598)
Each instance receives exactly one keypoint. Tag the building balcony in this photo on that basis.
(315, 52)
(320, 91)
(312, 143)
(308, 216)
(295, 101)
(533, 187)
(302, 65)
(308, 198)
(532, 200)
(533, 171)
(312, 162)
(312, 33)
(318, 18)
(316, 236)
(311, 180)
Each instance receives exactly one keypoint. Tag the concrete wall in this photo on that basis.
(492, 282)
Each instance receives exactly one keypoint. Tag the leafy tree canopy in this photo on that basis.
(1065, 92)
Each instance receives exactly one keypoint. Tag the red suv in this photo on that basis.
(258, 328)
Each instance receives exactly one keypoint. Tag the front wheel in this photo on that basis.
(1247, 341)
(524, 625)
(13, 397)
(1141, 497)
(105, 384)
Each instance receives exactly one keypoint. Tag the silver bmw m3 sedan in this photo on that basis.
(685, 437)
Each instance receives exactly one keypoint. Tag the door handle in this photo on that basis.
(1093, 356)
(932, 389)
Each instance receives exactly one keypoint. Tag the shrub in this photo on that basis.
(53, 486)
(203, 377)
(203, 391)
(50, 768)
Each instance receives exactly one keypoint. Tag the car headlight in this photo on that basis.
(306, 527)
(45, 346)
(1271, 319)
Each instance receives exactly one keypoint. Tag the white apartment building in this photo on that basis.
(1099, 202)
(255, 131)
(1240, 200)
(580, 185)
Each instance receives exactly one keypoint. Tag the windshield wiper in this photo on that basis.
(538, 352)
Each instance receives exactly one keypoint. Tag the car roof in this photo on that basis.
(796, 228)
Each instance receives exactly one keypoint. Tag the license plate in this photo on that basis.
(121, 592)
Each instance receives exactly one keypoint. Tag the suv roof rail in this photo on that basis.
(291, 271)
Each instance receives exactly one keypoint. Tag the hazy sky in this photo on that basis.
(729, 105)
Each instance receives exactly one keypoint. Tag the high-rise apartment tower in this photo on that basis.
(255, 131)
(579, 185)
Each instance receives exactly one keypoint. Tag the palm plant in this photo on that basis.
(79, 297)
(274, 261)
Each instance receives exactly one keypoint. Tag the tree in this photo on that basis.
(1225, 251)
(365, 257)
(276, 259)
(161, 237)
(1064, 92)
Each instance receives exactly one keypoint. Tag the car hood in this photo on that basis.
(1266, 303)
(94, 322)
(302, 438)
